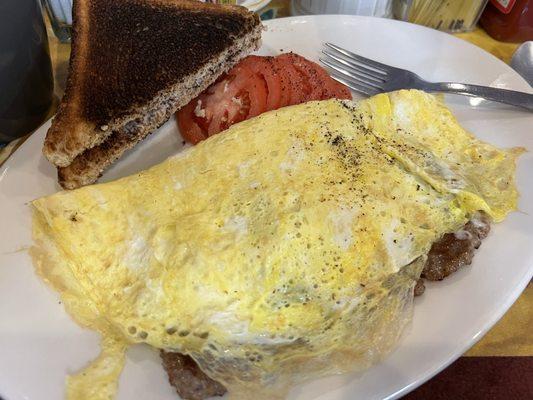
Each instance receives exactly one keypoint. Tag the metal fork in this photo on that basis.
(371, 77)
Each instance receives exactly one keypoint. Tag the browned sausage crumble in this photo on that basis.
(190, 381)
(453, 251)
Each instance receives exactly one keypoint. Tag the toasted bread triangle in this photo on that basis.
(134, 63)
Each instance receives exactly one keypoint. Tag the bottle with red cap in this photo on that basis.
(509, 20)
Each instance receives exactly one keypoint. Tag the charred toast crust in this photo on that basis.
(126, 52)
(114, 88)
(68, 131)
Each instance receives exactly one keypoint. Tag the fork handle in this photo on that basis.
(518, 99)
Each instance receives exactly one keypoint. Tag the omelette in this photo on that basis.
(280, 250)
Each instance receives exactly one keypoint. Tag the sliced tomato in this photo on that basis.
(315, 74)
(241, 95)
(312, 76)
(298, 83)
(228, 112)
(256, 89)
(195, 118)
(189, 127)
(322, 85)
(284, 83)
(255, 85)
(336, 90)
(265, 68)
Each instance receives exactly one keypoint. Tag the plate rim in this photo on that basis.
(423, 378)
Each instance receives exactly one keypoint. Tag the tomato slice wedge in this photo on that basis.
(322, 85)
(192, 128)
(241, 95)
(284, 84)
(265, 68)
(256, 89)
(337, 90)
(298, 84)
(313, 75)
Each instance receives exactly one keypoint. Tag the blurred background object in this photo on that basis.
(505, 20)
(509, 20)
(26, 83)
(60, 14)
(253, 5)
(444, 15)
(522, 61)
(374, 8)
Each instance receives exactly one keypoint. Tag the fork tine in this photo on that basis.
(350, 75)
(356, 87)
(360, 59)
(368, 73)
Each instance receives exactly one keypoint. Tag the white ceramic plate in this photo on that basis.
(39, 344)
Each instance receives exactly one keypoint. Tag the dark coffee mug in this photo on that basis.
(26, 81)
